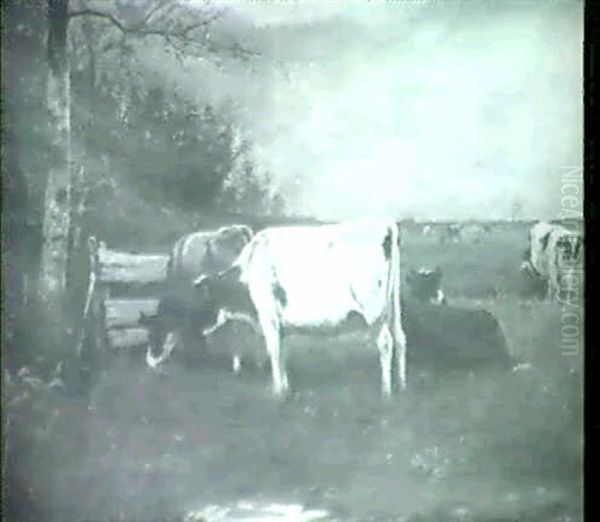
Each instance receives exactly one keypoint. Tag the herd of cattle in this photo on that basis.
(330, 280)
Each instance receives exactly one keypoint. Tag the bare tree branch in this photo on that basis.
(184, 29)
(143, 29)
(153, 10)
(107, 16)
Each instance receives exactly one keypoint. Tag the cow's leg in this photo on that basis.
(385, 345)
(260, 361)
(554, 282)
(552, 286)
(400, 346)
(272, 334)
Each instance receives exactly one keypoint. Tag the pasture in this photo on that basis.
(457, 446)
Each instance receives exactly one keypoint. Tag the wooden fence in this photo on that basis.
(121, 286)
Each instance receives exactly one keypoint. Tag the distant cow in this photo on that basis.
(554, 252)
(487, 227)
(316, 279)
(448, 337)
(450, 233)
(175, 323)
(472, 232)
(426, 286)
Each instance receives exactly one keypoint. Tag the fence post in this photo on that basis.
(89, 298)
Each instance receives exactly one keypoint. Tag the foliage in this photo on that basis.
(145, 144)
(149, 163)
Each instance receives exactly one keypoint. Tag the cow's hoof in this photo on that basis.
(386, 394)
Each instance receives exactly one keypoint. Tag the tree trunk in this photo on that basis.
(57, 212)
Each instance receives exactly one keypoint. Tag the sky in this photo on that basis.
(431, 110)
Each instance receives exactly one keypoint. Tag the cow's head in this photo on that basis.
(163, 330)
(227, 297)
(533, 283)
(527, 268)
(426, 285)
(177, 320)
(229, 242)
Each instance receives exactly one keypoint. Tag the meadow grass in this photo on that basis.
(475, 445)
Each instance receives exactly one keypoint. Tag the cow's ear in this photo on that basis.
(544, 240)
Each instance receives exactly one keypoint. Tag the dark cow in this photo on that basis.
(445, 338)
(178, 319)
(425, 286)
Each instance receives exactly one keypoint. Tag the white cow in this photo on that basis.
(553, 253)
(316, 279)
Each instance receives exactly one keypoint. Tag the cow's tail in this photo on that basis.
(395, 277)
(392, 258)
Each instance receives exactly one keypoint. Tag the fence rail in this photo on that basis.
(109, 321)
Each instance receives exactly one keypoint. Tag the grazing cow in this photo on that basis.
(425, 286)
(554, 252)
(316, 279)
(175, 324)
(447, 337)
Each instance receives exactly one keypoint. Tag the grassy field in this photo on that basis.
(479, 446)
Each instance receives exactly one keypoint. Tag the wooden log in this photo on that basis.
(125, 313)
(120, 267)
(127, 338)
